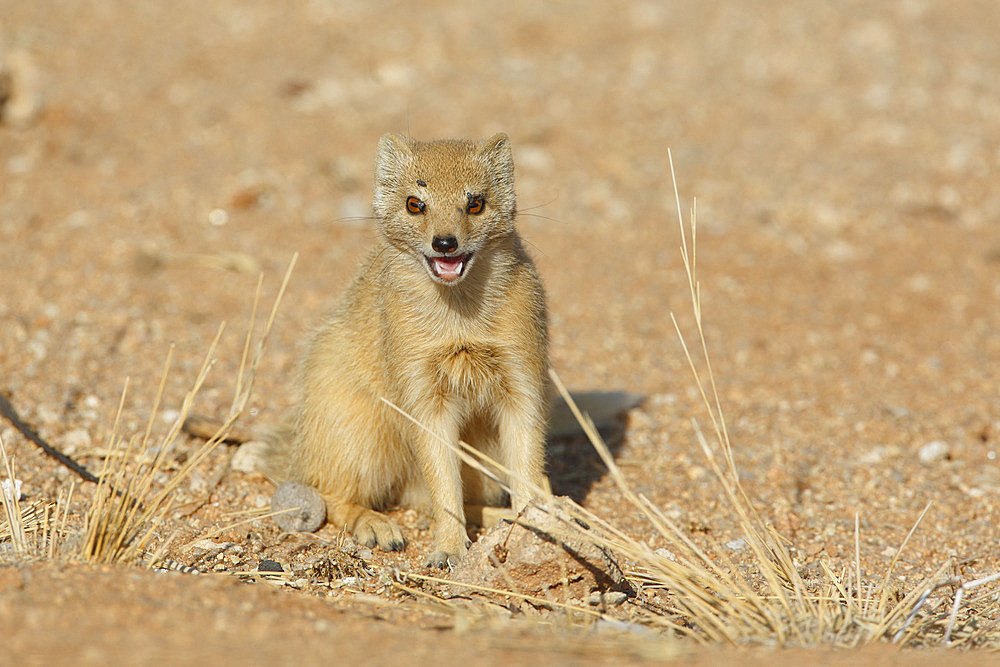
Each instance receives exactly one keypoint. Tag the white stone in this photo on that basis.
(209, 545)
(11, 489)
(218, 217)
(248, 456)
(169, 416)
(666, 553)
(75, 440)
(933, 452)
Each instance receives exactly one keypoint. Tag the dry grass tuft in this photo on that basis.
(126, 513)
(132, 502)
(31, 527)
(16, 519)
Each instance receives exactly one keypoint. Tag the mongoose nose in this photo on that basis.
(444, 243)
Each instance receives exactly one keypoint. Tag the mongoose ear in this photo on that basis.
(390, 164)
(497, 153)
(393, 150)
(497, 148)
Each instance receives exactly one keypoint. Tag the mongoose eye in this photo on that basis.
(415, 206)
(476, 204)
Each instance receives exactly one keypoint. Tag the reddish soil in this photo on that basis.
(156, 157)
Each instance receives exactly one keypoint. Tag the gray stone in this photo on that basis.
(268, 565)
(301, 508)
(608, 599)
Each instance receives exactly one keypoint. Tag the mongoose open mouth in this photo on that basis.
(448, 269)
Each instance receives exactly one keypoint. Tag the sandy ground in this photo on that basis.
(156, 157)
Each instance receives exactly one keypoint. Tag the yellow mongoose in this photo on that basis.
(446, 319)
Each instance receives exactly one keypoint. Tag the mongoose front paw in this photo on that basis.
(374, 528)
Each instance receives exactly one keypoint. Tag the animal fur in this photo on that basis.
(454, 336)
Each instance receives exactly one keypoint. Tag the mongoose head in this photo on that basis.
(442, 203)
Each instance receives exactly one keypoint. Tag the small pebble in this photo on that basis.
(218, 217)
(209, 545)
(874, 456)
(606, 625)
(76, 440)
(169, 416)
(814, 549)
(933, 452)
(737, 545)
(248, 456)
(21, 164)
(197, 483)
(302, 508)
(21, 84)
(47, 415)
(77, 219)
(268, 565)
(11, 489)
(665, 553)
(611, 598)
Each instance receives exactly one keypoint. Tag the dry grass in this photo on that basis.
(31, 529)
(772, 603)
(132, 504)
(126, 512)
(702, 595)
(714, 600)
(15, 528)
(762, 600)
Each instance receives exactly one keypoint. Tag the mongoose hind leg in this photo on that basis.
(366, 525)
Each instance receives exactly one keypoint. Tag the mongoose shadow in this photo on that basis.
(574, 466)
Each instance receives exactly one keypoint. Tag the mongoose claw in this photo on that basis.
(396, 543)
(442, 559)
(377, 529)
